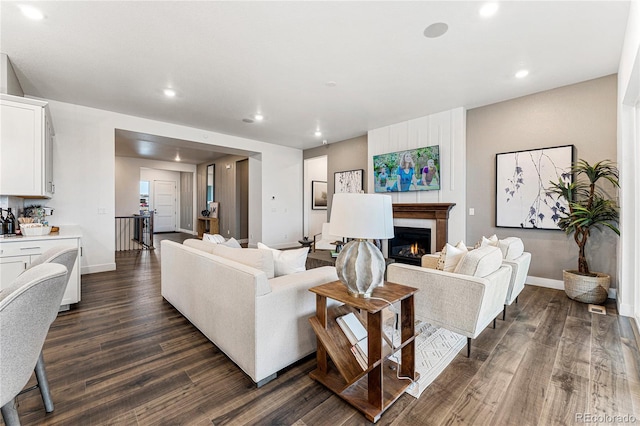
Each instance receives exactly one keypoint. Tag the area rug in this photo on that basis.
(435, 348)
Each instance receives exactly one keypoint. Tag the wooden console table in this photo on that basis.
(373, 390)
(209, 225)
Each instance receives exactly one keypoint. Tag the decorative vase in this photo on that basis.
(360, 266)
(593, 288)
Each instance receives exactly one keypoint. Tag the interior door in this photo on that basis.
(164, 205)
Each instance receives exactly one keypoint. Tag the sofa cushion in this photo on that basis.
(288, 261)
(480, 262)
(255, 258)
(450, 256)
(511, 247)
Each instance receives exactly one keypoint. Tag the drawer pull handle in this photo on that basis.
(29, 248)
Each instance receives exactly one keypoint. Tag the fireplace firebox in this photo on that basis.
(409, 244)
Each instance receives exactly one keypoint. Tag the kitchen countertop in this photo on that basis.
(66, 231)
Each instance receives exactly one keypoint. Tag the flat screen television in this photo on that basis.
(409, 170)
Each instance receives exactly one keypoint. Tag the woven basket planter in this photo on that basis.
(585, 288)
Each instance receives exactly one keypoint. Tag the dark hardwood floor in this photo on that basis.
(124, 356)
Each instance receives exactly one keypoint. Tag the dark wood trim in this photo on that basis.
(437, 211)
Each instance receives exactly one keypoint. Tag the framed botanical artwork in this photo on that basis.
(318, 195)
(522, 179)
(349, 181)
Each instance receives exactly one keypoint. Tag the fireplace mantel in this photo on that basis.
(437, 211)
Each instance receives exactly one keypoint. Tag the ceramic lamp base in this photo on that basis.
(360, 266)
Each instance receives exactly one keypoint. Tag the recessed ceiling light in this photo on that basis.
(318, 133)
(522, 73)
(436, 30)
(331, 83)
(488, 9)
(258, 117)
(31, 12)
(169, 93)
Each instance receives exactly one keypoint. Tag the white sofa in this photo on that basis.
(464, 304)
(261, 324)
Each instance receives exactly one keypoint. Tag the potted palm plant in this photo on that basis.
(589, 207)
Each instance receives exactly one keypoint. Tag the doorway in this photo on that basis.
(164, 205)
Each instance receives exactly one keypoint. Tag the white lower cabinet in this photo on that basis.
(17, 254)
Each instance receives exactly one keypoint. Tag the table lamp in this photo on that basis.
(360, 264)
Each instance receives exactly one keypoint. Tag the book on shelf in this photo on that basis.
(352, 328)
(357, 336)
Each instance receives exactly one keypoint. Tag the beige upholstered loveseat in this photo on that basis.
(261, 323)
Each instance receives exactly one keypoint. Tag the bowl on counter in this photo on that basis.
(34, 229)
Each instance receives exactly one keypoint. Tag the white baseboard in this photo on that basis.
(93, 269)
(559, 285)
(626, 310)
(545, 282)
(187, 231)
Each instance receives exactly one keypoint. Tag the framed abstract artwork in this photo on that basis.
(522, 179)
(349, 181)
(318, 195)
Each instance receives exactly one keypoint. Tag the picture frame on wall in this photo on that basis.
(348, 181)
(522, 179)
(319, 195)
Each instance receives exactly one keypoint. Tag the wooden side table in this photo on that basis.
(207, 224)
(375, 389)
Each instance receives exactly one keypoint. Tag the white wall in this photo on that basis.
(446, 129)
(314, 169)
(84, 171)
(129, 173)
(628, 297)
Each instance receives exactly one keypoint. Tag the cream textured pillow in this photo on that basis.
(288, 261)
(480, 262)
(255, 258)
(450, 256)
(511, 247)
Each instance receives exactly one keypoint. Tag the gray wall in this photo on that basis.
(583, 115)
(350, 154)
(225, 193)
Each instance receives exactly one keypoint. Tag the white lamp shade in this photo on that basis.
(365, 216)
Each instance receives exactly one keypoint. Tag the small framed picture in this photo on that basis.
(318, 195)
(214, 207)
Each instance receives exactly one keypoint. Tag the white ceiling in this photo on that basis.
(229, 60)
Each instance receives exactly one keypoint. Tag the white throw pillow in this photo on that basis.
(288, 261)
(255, 258)
(491, 241)
(231, 242)
(451, 255)
(511, 247)
(213, 238)
(480, 262)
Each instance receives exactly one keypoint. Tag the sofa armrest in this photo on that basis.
(430, 261)
(519, 271)
(283, 333)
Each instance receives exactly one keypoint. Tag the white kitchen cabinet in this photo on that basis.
(17, 253)
(26, 148)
